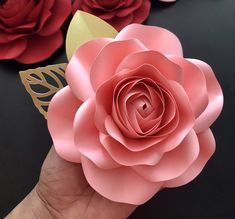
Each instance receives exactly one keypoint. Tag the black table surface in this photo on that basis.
(206, 29)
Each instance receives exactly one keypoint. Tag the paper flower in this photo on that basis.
(30, 30)
(117, 13)
(136, 114)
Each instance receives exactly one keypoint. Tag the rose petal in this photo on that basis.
(207, 148)
(126, 157)
(120, 184)
(142, 13)
(60, 11)
(215, 95)
(86, 136)
(60, 117)
(35, 12)
(120, 22)
(194, 84)
(124, 11)
(158, 39)
(167, 68)
(20, 16)
(114, 53)
(40, 48)
(173, 163)
(76, 6)
(12, 49)
(186, 119)
(78, 70)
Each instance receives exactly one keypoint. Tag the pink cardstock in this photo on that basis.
(136, 114)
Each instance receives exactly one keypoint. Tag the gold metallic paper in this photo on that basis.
(85, 27)
(43, 83)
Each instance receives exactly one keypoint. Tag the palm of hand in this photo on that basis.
(66, 193)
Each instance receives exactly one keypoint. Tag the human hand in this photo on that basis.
(63, 192)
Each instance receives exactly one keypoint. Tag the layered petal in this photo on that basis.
(60, 119)
(142, 13)
(158, 39)
(79, 67)
(117, 13)
(126, 157)
(131, 189)
(120, 22)
(60, 11)
(167, 68)
(34, 52)
(13, 49)
(173, 163)
(215, 96)
(194, 83)
(102, 71)
(86, 137)
(207, 148)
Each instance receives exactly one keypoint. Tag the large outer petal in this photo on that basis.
(40, 48)
(86, 136)
(169, 69)
(215, 95)
(142, 13)
(194, 84)
(173, 163)
(106, 63)
(154, 38)
(207, 148)
(120, 184)
(60, 117)
(78, 69)
(12, 49)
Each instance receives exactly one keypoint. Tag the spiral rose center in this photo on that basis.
(143, 107)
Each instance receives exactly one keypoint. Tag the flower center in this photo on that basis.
(144, 106)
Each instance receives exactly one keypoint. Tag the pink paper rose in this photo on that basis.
(136, 114)
(118, 13)
(30, 30)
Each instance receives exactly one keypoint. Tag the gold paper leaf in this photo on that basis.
(85, 27)
(43, 83)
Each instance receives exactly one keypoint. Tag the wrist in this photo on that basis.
(33, 206)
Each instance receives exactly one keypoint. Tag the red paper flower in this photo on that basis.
(30, 30)
(118, 13)
(136, 113)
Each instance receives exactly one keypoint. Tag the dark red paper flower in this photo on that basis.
(30, 29)
(118, 13)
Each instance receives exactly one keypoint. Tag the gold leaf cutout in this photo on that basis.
(43, 83)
